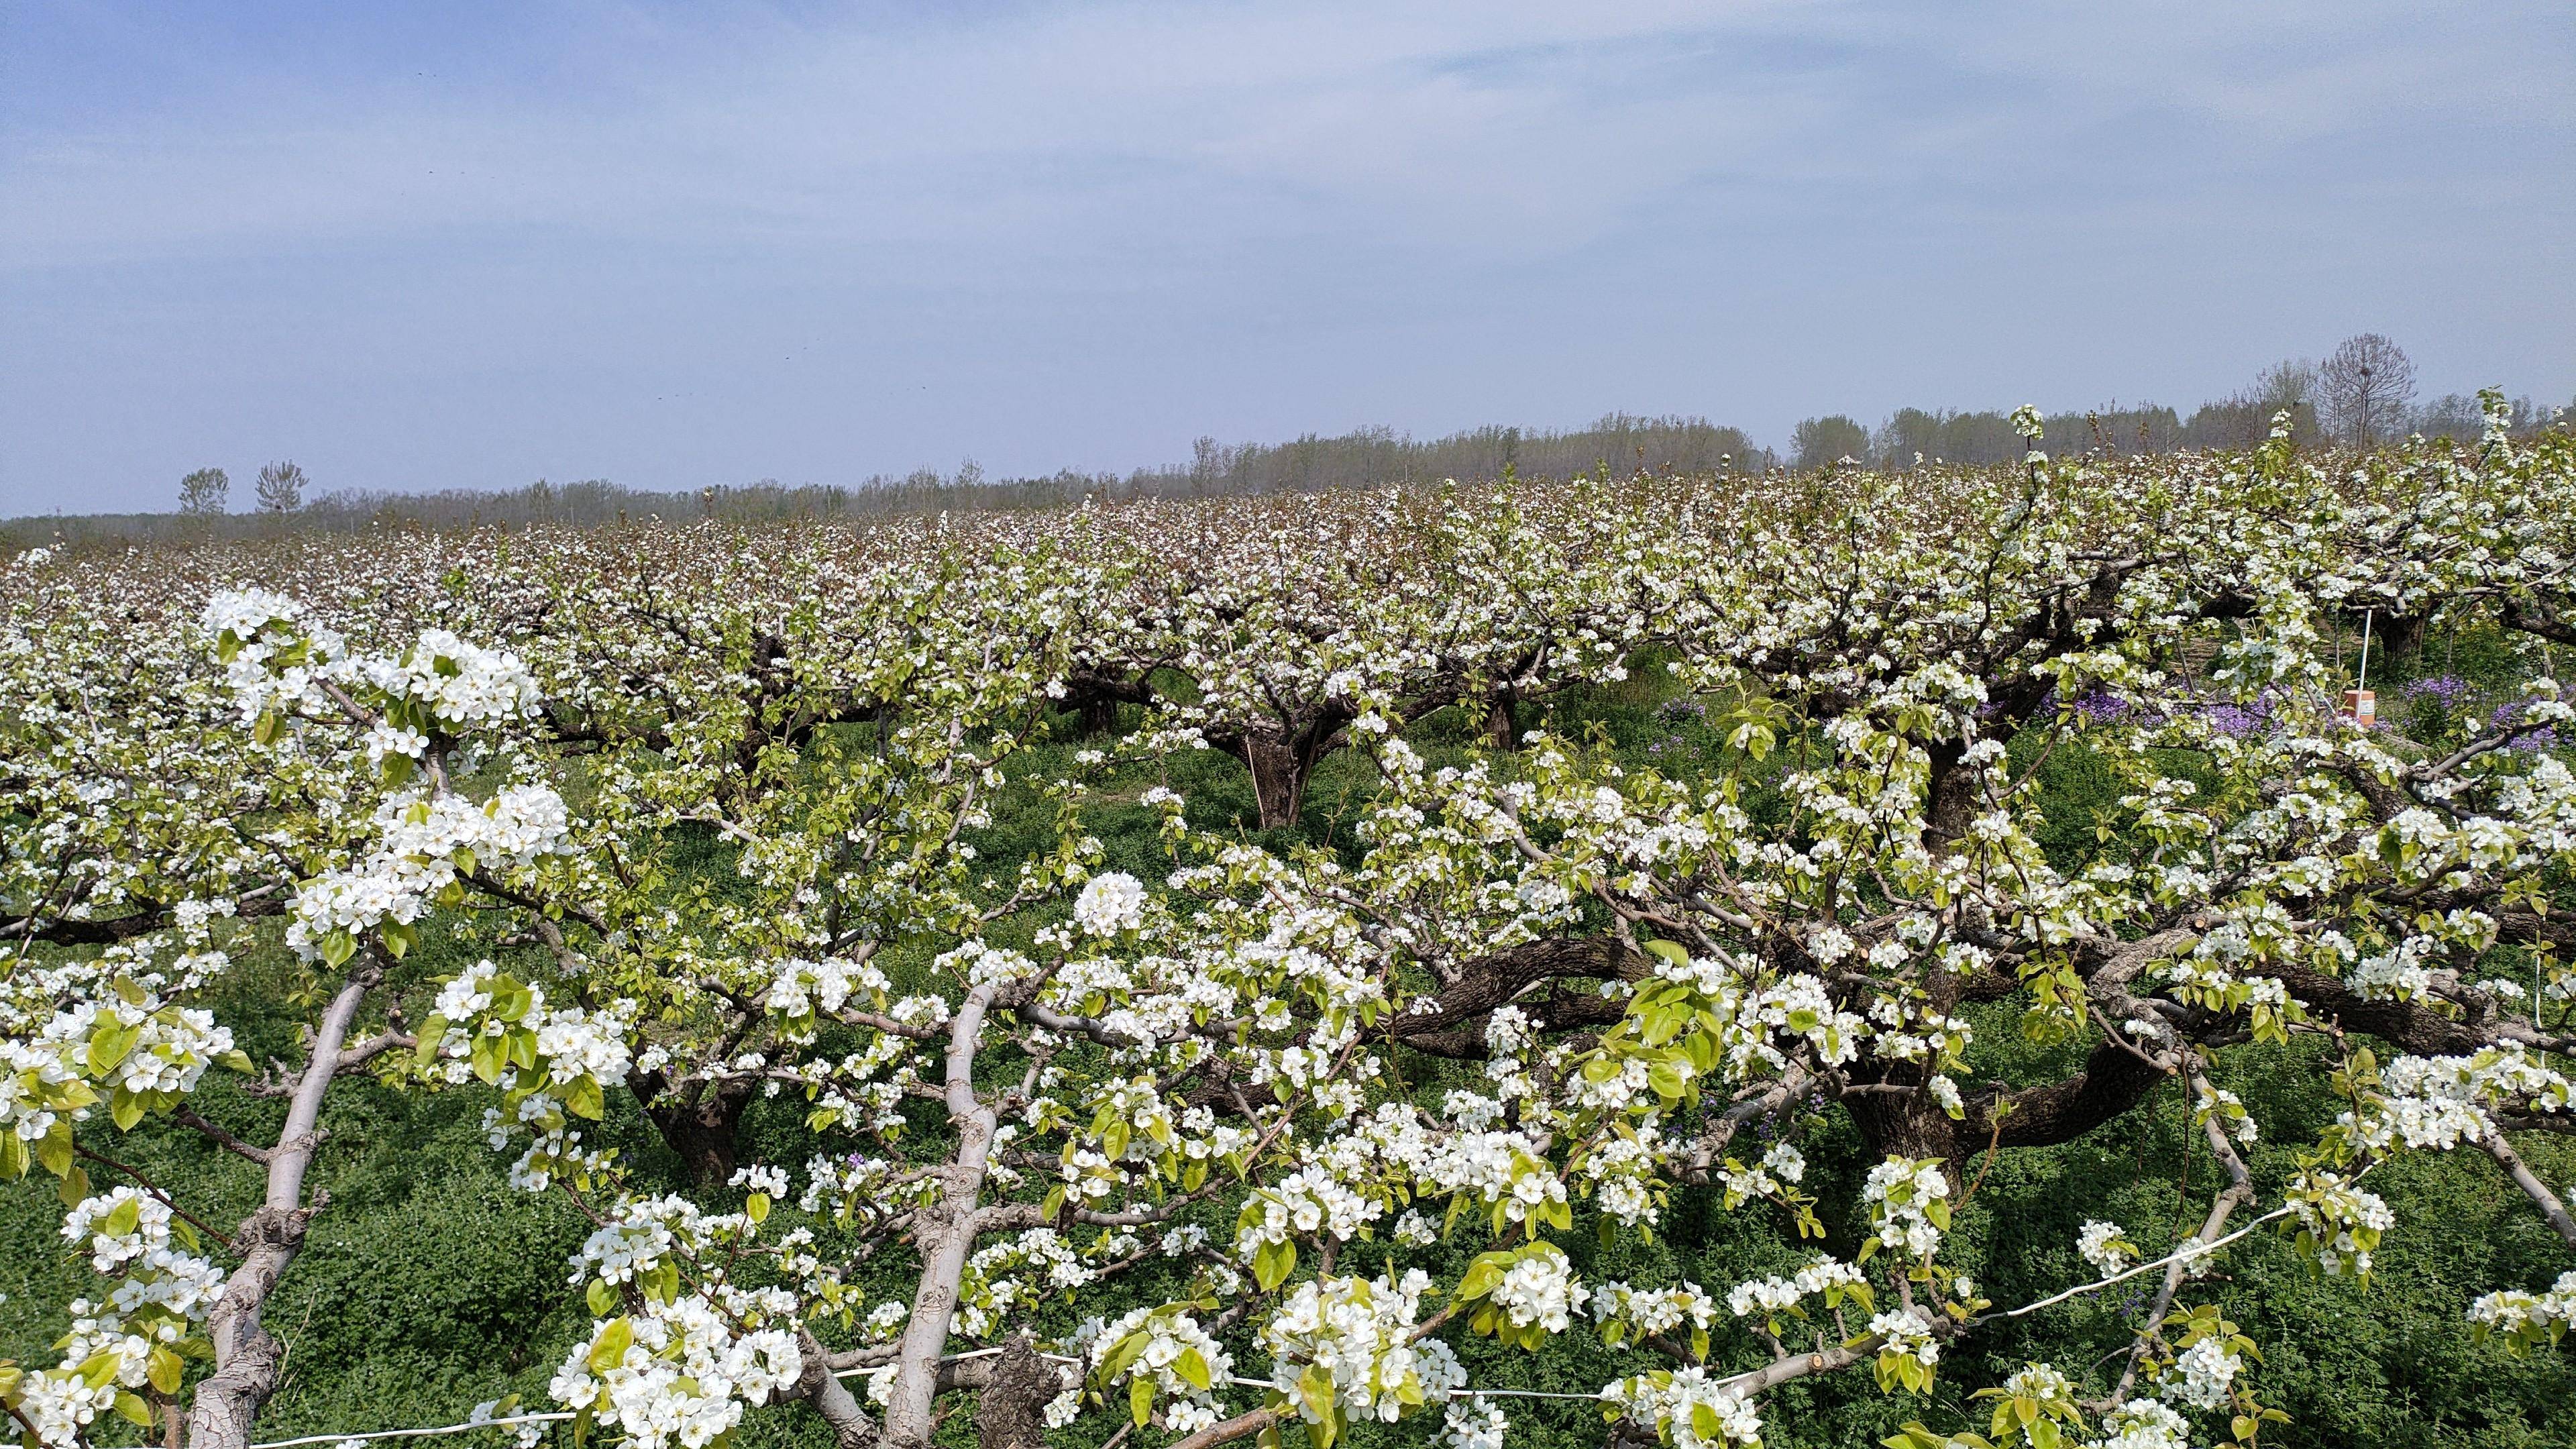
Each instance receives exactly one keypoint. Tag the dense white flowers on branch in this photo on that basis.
(749, 824)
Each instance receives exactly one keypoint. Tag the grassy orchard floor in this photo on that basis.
(429, 1284)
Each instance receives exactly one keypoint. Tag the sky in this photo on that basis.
(467, 244)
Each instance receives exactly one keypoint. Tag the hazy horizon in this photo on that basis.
(470, 245)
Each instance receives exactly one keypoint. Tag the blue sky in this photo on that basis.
(468, 245)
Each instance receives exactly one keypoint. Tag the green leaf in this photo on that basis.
(601, 1297)
(610, 1349)
(132, 1409)
(1665, 1080)
(1140, 1398)
(54, 1149)
(1481, 1278)
(266, 731)
(1192, 1367)
(1273, 1263)
(1315, 1386)
(337, 948)
(164, 1368)
(755, 1207)
(112, 1046)
(1126, 1352)
(583, 1098)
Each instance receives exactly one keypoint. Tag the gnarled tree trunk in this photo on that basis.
(1502, 724)
(1279, 770)
(1011, 1413)
(702, 1131)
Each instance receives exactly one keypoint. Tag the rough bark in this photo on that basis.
(2542, 614)
(1908, 1123)
(248, 1357)
(68, 931)
(1457, 1030)
(1912, 1123)
(2405, 1023)
(1241, 1426)
(1279, 769)
(2399, 636)
(1011, 1413)
(2113, 1081)
(703, 1131)
(1095, 695)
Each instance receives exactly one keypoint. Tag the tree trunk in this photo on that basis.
(1279, 770)
(1908, 1123)
(1099, 714)
(1911, 1123)
(702, 1132)
(2402, 635)
(1502, 728)
(830, 1397)
(1011, 1413)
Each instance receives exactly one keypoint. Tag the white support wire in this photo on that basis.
(501, 1423)
(2192, 1251)
(553, 1418)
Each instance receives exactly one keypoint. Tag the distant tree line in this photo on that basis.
(2361, 394)
(1369, 457)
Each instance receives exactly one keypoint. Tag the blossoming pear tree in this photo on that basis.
(1324, 1115)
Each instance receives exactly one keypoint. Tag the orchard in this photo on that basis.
(1844, 957)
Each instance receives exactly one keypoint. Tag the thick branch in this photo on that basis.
(946, 1234)
(247, 1357)
(1488, 982)
(851, 1427)
(2114, 1080)
(2531, 1185)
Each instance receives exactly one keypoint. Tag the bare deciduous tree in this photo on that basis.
(2365, 384)
(205, 491)
(281, 488)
